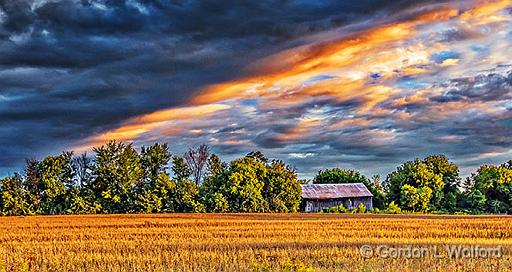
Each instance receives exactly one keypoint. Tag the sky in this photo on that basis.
(362, 84)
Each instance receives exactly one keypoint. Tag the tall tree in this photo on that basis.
(425, 185)
(34, 184)
(197, 159)
(492, 189)
(377, 183)
(244, 185)
(445, 199)
(187, 198)
(155, 160)
(57, 178)
(282, 190)
(215, 165)
(180, 169)
(82, 169)
(154, 191)
(14, 198)
(117, 172)
(213, 190)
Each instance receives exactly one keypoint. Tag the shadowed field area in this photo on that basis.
(246, 242)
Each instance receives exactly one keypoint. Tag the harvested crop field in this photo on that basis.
(253, 242)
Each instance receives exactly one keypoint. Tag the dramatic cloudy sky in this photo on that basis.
(365, 84)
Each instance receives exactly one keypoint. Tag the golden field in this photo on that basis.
(245, 242)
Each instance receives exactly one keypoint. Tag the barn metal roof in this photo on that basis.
(332, 191)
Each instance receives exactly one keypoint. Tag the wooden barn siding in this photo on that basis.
(311, 205)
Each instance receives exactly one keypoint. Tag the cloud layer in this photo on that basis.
(361, 84)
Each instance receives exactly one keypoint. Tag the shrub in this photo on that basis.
(336, 209)
(393, 208)
(360, 209)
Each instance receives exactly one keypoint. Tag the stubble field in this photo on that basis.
(251, 242)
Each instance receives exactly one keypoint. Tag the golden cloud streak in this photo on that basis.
(169, 118)
(308, 61)
(279, 80)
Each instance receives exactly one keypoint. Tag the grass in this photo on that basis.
(245, 242)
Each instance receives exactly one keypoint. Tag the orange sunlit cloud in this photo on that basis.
(137, 126)
(301, 128)
(326, 58)
(387, 73)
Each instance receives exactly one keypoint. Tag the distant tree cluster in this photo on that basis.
(433, 185)
(118, 179)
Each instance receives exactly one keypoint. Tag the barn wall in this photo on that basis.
(349, 203)
(367, 201)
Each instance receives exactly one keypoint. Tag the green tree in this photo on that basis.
(425, 185)
(118, 171)
(476, 201)
(180, 169)
(213, 191)
(219, 203)
(81, 202)
(416, 199)
(33, 183)
(215, 165)
(187, 198)
(447, 198)
(392, 208)
(282, 190)
(155, 160)
(14, 198)
(57, 178)
(492, 189)
(244, 184)
(151, 195)
(377, 183)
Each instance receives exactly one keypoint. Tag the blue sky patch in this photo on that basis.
(444, 55)
(315, 79)
(250, 102)
(410, 83)
(375, 75)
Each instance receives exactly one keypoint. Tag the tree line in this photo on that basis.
(119, 179)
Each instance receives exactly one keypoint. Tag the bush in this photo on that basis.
(441, 212)
(460, 213)
(393, 208)
(360, 209)
(336, 209)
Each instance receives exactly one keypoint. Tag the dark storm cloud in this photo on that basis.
(70, 69)
(483, 87)
(18, 15)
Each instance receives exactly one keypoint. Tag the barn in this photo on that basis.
(316, 197)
